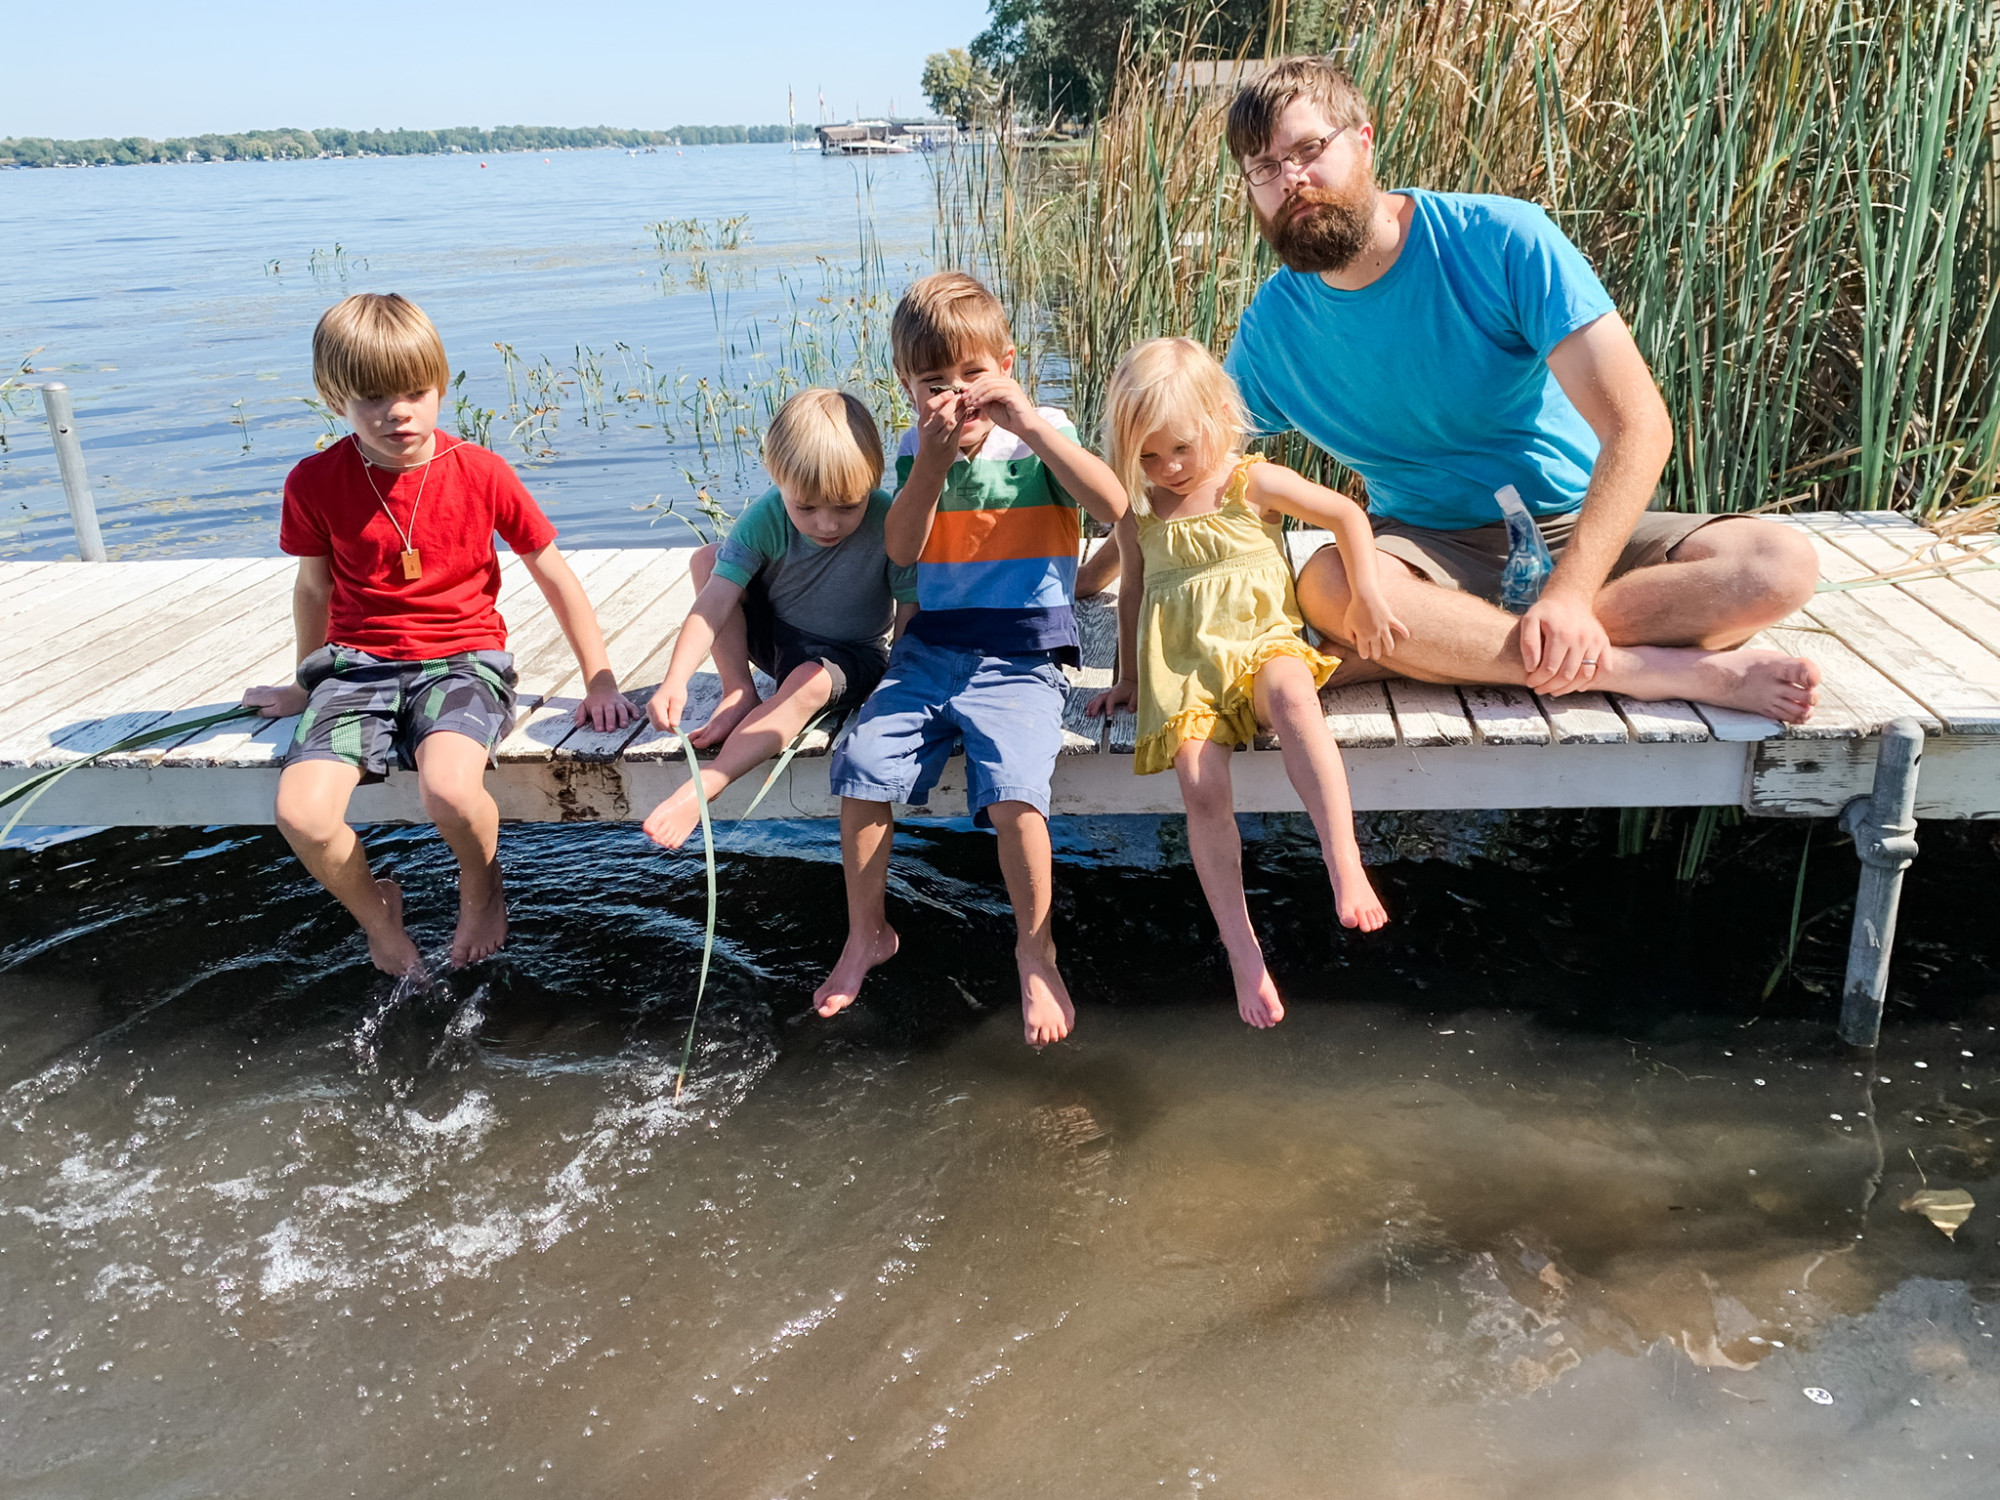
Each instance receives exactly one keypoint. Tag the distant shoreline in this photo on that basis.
(333, 142)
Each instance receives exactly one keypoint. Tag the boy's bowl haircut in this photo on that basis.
(825, 444)
(376, 344)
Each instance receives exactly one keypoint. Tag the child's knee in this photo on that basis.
(455, 793)
(310, 812)
(702, 564)
(809, 685)
(1287, 688)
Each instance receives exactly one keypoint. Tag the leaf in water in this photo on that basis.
(1947, 1208)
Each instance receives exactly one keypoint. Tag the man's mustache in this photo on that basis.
(1304, 197)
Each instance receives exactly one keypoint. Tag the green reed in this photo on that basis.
(14, 392)
(1794, 203)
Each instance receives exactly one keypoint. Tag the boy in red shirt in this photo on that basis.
(401, 651)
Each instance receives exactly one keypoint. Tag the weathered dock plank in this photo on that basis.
(97, 651)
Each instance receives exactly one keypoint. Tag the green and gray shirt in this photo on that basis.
(846, 592)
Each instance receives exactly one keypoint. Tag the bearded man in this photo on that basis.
(1446, 345)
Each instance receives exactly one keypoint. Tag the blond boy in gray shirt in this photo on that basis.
(802, 587)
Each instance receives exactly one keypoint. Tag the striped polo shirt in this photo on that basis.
(998, 573)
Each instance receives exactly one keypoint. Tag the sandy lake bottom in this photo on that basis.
(1533, 1196)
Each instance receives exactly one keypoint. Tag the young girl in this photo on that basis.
(1208, 629)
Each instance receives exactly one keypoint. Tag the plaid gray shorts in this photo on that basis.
(364, 709)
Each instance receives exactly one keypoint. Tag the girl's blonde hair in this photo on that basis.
(1175, 386)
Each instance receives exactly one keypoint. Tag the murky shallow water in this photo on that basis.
(1532, 1196)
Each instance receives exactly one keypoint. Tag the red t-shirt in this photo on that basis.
(470, 493)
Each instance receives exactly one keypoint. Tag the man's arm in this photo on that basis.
(603, 706)
(312, 593)
(1605, 377)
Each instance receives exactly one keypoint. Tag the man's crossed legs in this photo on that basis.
(1677, 628)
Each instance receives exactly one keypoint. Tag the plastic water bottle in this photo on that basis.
(1528, 561)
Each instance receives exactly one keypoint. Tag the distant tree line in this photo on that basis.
(293, 144)
(1057, 58)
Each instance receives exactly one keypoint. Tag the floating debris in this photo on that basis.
(1948, 1208)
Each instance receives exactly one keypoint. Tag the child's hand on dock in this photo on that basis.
(276, 702)
(1120, 697)
(604, 707)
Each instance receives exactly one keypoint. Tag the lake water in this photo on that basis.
(1557, 1187)
(165, 296)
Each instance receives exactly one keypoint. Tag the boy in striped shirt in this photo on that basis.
(986, 507)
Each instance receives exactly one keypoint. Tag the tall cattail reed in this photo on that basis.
(1794, 203)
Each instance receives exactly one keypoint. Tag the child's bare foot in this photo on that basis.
(391, 949)
(1257, 999)
(1355, 899)
(1046, 1014)
(863, 951)
(669, 824)
(482, 925)
(736, 702)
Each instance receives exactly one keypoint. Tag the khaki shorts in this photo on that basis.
(1472, 560)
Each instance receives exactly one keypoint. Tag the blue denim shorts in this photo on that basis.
(1007, 709)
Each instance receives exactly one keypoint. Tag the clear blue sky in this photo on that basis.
(115, 68)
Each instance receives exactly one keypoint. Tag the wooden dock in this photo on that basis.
(93, 653)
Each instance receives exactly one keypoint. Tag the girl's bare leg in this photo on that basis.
(1286, 700)
(1217, 847)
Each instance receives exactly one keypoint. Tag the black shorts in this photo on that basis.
(776, 649)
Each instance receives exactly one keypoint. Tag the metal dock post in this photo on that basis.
(1884, 827)
(76, 482)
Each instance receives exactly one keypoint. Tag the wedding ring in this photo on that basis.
(1590, 661)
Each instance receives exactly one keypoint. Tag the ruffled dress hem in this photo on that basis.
(1234, 722)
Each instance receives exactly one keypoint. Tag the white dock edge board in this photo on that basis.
(1398, 777)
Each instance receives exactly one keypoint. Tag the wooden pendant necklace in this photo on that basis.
(413, 563)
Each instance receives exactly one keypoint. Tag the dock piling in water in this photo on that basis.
(1884, 827)
(76, 481)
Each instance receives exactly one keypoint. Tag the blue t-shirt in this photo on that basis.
(1432, 382)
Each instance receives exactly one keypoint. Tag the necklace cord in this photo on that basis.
(408, 537)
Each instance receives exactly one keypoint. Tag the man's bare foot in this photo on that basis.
(736, 702)
(669, 824)
(1046, 1014)
(1355, 899)
(862, 952)
(1759, 681)
(482, 926)
(390, 949)
(1257, 999)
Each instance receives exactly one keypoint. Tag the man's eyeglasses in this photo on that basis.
(1303, 155)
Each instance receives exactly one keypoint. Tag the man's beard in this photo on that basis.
(1323, 229)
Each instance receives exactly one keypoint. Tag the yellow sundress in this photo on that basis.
(1218, 606)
